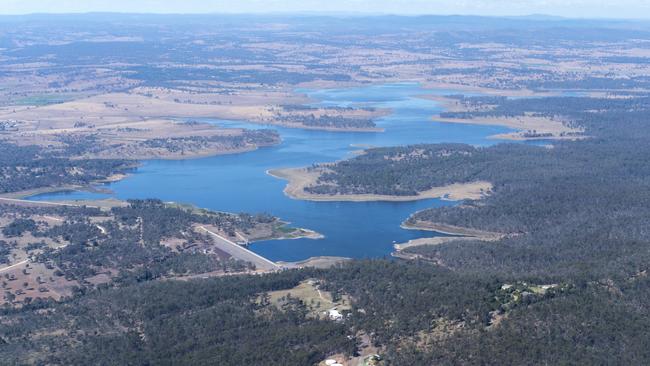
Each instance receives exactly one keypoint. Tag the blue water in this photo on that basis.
(239, 183)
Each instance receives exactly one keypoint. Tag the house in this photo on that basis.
(332, 362)
(334, 314)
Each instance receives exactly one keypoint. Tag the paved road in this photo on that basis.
(239, 252)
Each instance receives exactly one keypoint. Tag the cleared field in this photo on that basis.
(118, 125)
(317, 301)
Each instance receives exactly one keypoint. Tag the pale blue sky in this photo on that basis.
(569, 8)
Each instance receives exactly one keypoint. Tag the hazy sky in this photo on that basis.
(569, 8)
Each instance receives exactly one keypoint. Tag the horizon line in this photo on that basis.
(549, 17)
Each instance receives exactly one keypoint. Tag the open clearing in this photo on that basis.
(317, 301)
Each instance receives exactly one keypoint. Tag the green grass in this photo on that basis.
(44, 99)
(286, 229)
(308, 293)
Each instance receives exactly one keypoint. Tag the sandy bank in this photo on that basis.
(301, 178)
(442, 240)
(316, 262)
(528, 127)
(301, 126)
(300, 233)
(120, 152)
(463, 234)
(473, 89)
(439, 240)
(449, 229)
(91, 187)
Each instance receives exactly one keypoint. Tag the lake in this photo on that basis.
(239, 183)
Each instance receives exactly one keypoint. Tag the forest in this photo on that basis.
(139, 241)
(418, 313)
(29, 167)
(565, 283)
(203, 322)
(247, 139)
(329, 121)
(573, 209)
(131, 245)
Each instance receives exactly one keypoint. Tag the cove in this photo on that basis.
(239, 183)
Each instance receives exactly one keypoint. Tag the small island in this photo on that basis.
(331, 118)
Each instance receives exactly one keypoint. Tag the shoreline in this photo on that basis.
(300, 178)
(315, 128)
(438, 240)
(297, 233)
(546, 128)
(137, 162)
(464, 88)
(91, 187)
(458, 234)
(518, 136)
(206, 153)
(456, 231)
(304, 234)
(373, 116)
(315, 262)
